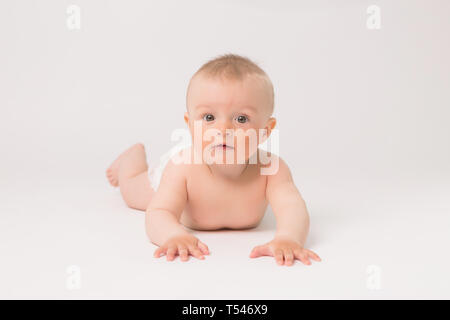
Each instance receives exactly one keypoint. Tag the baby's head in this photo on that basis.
(230, 93)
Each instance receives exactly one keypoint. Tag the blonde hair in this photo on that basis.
(234, 67)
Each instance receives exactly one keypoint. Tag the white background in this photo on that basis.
(363, 118)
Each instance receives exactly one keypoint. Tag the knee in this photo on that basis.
(127, 193)
(132, 194)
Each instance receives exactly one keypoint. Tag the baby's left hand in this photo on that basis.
(285, 251)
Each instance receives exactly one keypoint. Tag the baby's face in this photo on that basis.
(229, 104)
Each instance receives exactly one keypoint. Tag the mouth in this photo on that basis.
(223, 146)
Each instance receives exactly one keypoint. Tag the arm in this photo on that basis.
(163, 215)
(292, 220)
(164, 210)
(288, 205)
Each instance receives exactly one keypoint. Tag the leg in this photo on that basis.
(136, 191)
(129, 172)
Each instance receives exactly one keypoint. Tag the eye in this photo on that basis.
(242, 119)
(208, 117)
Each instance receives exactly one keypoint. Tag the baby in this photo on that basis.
(226, 183)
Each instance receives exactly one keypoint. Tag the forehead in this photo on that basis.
(205, 92)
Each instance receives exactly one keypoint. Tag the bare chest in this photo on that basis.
(215, 204)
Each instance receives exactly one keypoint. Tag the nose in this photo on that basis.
(223, 126)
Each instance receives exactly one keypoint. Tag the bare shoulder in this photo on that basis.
(171, 194)
(176, 168)
(276, 169)
(280, 183)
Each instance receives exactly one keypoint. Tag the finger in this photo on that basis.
(171, 253)
(279, 256)
(313, 255)
(203, 247)
(300, 255)
(159, 251)
(262, 250)
(195, 251)
(183, 252)
(288, 257)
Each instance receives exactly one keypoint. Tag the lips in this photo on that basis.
(223, 145)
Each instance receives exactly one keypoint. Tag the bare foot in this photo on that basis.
(113, 171)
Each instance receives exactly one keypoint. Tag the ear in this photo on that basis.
(186, 118)
(269, 127)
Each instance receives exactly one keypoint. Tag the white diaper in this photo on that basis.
(155, 171)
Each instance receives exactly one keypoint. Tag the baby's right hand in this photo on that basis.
(184, 245)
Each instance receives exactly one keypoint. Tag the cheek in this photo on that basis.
(249, 135)
(248, 139)
(207, 137)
